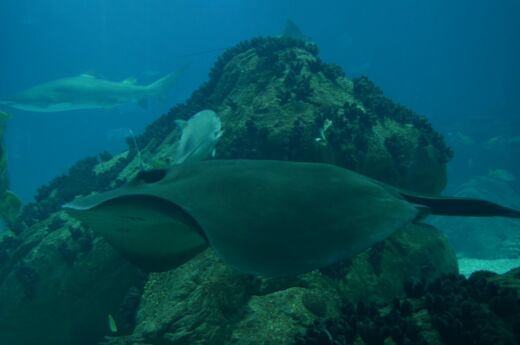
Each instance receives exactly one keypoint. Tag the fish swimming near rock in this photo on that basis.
(199, 136)
(86, 91)
(268, 218)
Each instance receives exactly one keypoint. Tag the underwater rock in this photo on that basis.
(274, 95)
(88, 175)
(415, 251)
(205, 302)
(58, 285)
(451, 310)
(491, 238)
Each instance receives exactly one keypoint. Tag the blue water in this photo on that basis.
(455, 62)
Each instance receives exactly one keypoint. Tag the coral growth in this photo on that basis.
(450, 310)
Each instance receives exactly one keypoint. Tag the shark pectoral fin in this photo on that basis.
(143, 103)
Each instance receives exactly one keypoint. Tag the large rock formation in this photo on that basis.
(274, 97)
(59, 283)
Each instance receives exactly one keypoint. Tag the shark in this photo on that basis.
(87, 91)
(261, 217)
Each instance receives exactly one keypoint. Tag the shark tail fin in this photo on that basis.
(453, 206)
(162, 86)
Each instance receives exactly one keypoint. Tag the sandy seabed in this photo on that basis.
(470, 265)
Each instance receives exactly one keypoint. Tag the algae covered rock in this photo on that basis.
(58, 286)
(275, 96)
(450, 310)
(205, 302)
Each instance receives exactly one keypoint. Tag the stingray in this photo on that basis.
(262, 217)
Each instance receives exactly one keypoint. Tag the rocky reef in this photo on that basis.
(274, 97)
(451, 310)
(277, 99)
(205, 302)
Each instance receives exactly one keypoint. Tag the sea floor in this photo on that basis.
(470, 265)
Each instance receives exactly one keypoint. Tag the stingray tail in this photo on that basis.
(451, 206)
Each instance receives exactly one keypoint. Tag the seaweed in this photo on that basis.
(250, 143)
(332, 72)
(10, 242)
(267, 48)
(79, 180)
(4, 256)
(105, 156)
(303, 90)
(67, 253)
(28, 278)
(316, 65)
(84, 238)
(297, 141)
(349, 134)
(365, 320)
(284, 96)
(375, 257)
(463, 311)
(377, 104)
(56, 223)
(397, 147)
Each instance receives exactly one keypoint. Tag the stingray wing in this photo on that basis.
(147, 230)
(278, 218)
(261, 217)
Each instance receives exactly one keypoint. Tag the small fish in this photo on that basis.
(199, 136)
(112, 324)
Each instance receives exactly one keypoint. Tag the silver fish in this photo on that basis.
(199, 136)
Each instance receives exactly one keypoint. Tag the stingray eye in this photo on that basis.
(151, 176)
